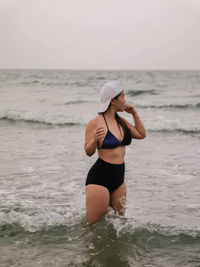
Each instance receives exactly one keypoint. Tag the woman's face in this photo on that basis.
(120, 102)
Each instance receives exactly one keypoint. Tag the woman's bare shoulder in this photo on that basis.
(123, 119)
(127, 123)
(94, 122)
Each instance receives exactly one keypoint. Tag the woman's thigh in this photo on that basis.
(97, 202)
(118, 199)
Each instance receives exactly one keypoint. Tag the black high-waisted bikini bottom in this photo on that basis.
(106, 174)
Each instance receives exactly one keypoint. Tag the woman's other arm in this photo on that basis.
(137, 131)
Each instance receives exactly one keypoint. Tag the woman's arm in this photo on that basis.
(92, 135)
(137, 131)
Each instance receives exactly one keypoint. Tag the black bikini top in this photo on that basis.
(110, 141)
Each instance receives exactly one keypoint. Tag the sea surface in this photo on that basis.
(43, 167)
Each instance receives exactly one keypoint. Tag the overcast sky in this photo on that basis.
(100, 34)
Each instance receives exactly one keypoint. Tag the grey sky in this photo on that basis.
(103, 34)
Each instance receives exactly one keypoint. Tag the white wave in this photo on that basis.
(46, 118)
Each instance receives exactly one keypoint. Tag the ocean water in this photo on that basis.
(43, 115)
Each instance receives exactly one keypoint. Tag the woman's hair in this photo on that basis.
(117, 117)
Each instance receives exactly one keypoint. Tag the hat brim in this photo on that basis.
(104, 106)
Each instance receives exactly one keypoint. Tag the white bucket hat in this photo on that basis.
(109, 91)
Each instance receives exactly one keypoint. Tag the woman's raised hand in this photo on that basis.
(98, 134)
(129, 109)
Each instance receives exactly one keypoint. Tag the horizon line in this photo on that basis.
(99, 69)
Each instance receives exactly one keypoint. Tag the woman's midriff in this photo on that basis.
(114, 155)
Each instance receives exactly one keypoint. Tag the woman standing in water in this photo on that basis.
(109, 134)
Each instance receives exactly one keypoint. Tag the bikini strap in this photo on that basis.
(105, 120)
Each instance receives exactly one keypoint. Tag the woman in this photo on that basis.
(109, 134)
